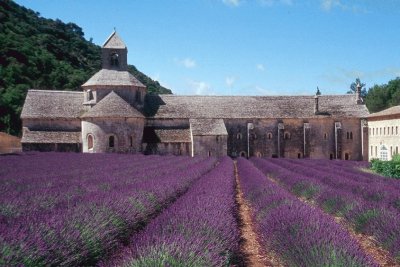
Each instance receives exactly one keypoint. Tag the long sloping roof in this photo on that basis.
(112, 106)
(208, 127)
(387, 112)
(171, 106)
(106, 78)
(52, 104)
(114, 41)
(166, 135)
(51, 137)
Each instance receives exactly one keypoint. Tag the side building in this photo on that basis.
(114, 113)
(384, 133)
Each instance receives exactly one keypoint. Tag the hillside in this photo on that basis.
(42, 53)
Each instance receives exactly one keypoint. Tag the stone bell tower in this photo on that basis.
(114, 53)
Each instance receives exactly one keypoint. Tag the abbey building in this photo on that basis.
(114, 113)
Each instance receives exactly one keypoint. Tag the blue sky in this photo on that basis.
(246, 47)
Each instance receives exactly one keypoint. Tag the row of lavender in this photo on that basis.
(199, 229)
(369, 203)
(300, 234)
(73, 209)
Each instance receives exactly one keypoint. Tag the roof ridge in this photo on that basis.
(54, 91)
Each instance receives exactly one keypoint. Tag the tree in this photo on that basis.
(353, 88)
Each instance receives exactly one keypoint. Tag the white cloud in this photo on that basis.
(233, 3)
(186, 62)
(328, 5)
(229, 81)
(260, 67)
(200, 87)
(275, 2)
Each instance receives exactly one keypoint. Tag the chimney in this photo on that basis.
(316, 105)
(358, 94)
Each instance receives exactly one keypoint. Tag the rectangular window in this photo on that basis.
(376, 151)
(372, 151)
(392, 130)
(384, 130)
(397, 128)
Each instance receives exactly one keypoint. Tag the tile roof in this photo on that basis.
(172, 106)
(208, 127)
(52, 104)
(114, 41)
(166, 135)
(112, 106)
(51, 137)
(107, 78)
(386, 112)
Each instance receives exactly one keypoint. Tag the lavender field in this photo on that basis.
(62, 209)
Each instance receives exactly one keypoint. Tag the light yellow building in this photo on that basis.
(384, 133)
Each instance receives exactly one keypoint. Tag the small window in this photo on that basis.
(243, 154)
(131, 141)
(217, 138)
(373, 131)
(115, 59)
(287, 136)
(111, 141)
(331, 156)
(376, 151)
(397, 150)
(239, 136)
(325, 136)
(269, 136)
(391, 151)
(209, 153)
(258, 154)
(90, 141)
(89, 95)
(392, 130)
(397, 130)
(299, 155)
(347, 156)
(384, 153)
(351, 135)
(372, 151)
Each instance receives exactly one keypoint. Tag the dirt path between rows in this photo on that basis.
(254, 255)
(367, 243)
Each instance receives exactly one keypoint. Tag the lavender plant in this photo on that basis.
(299, 233)
(199, 229)
(73, 209)
(369, 203)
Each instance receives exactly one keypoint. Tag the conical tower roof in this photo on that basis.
(112, 106)
(114, 41)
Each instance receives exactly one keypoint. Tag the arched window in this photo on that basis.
(111, 141)
(269, 136)
(258, 154)
(347, 156)
(114, 59)
(242, 154)
(90, 141)
(239, 136)
(287, 135)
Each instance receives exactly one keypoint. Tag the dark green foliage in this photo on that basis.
(42, 53)
(387, 168)
(353, 88)
(383, 96)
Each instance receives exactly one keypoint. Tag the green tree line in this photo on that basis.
(41, 53)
